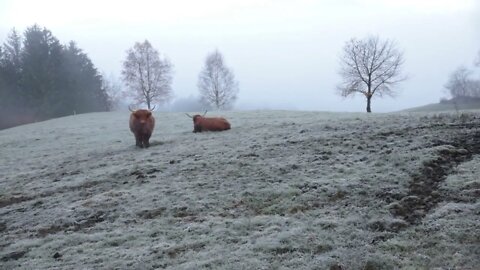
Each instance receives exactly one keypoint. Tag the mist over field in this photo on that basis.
(284, 54)
(280, 190)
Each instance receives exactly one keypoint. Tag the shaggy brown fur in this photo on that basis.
(201, 123)
(142, 124)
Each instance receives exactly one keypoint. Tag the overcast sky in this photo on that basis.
(283, 53)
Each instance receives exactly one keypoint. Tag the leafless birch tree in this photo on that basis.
(216, 83)
(370, 66)
(147, 75)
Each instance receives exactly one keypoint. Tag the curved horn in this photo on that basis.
(188, 115)
(204, 113)
(153, 108)
(130, 109)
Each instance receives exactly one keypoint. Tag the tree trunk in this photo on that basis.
(369, 98)
(148, 103)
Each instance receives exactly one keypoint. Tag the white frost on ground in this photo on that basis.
(280, 190)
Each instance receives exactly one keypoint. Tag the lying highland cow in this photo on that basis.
(142, 124)
(202, 123)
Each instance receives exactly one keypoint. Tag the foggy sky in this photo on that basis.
(283, 53)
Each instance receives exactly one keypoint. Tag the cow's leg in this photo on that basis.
(138, 141)
(146, 142)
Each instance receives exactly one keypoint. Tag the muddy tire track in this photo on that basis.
(424, 187)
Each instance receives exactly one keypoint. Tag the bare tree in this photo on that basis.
(460, 85)
(370, 66)
(216, 83)
(147, 75)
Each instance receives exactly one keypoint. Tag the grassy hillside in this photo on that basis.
(447, 106)
(280, 190)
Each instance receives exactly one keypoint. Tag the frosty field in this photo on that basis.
(280, 190)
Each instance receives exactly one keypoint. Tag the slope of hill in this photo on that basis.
(448, 105)
(280, 190)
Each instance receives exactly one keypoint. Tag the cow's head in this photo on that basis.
(196, 117)
(142, 115)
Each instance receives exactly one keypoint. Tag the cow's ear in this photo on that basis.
(149, 113)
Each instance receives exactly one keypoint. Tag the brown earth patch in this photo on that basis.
(423, 191)
(88, 222)
(6, 201)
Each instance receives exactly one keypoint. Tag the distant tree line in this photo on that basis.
(42, 79)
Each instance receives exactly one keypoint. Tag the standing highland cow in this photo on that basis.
(142, 124)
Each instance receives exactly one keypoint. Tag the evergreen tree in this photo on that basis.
(41, 79)
(11, 69)
(41, 59)
(85, 82)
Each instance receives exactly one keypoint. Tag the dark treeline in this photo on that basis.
(42, 79)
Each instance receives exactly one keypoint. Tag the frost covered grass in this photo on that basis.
(280, 190)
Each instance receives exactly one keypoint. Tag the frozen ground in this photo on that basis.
(280, 190)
